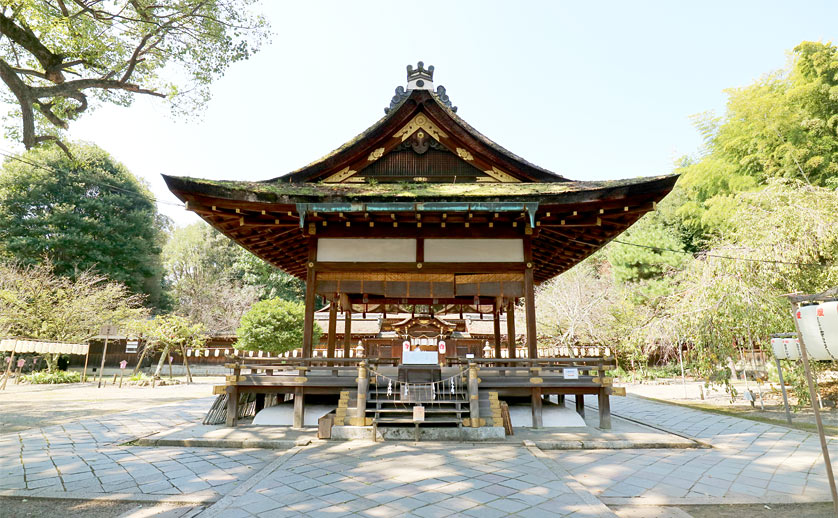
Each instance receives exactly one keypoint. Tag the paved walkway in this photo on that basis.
(749, 462)
(88, 458)
(407, 479)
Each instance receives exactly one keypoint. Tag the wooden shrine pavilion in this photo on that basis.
(418, 213)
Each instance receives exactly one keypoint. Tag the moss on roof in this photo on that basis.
(273, 191)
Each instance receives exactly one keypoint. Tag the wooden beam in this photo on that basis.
(426, 267)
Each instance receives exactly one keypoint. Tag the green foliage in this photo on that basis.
(273, 325)
(170, 331)
(86, 213)
(44, 377)
(57, 59)
(200, 271)
(214, 281)
(37, 303)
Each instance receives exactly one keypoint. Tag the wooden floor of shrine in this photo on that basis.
(369, 391)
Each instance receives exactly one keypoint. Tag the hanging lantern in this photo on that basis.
(441, 346)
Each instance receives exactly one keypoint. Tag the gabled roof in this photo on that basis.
(420, 110)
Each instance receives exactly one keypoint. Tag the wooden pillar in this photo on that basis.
(333, 328)
(529, 299)
(347, 332)
(311, 278)
(299, 407)
(604, 409)
(232, 404)
(580, 405)
(102, 366)
(537, 421)
(510, 328)
(496, 316)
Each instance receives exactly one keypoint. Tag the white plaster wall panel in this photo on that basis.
(474, 250)
(343, 250)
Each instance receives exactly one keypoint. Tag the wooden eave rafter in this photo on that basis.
(566, 230)
(451, 131)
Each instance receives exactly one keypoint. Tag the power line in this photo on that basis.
(51, 169)
(732, 258)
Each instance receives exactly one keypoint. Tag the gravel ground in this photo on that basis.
(31, 406)
(25, 508)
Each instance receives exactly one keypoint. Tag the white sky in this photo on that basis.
(590, 90)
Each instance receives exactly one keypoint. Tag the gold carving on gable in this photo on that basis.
(464, 154)
(501, 176)
(340, 176)
(375, 155)
(420, 121)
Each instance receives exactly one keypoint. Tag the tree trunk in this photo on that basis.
(52, 362)
(162, 361)
(140, 361)
(186, 365)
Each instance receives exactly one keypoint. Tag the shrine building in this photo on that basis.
(418, 217)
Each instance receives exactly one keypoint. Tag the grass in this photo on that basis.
(47, 378)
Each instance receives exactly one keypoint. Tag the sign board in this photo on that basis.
(131, 346)
(469, 355)
(109, 330)
(418, 414)
(570, 373)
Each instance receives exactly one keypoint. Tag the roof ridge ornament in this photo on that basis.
(420, 78)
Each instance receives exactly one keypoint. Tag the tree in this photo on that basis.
(200, 270)
(36, 303)
(59, 57)
(85, 213)
(168, 333)
(214, 281)
(273, 325)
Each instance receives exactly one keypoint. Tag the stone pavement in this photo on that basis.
(99, 458)
(413, 480)
(749, 461)
(88, 458)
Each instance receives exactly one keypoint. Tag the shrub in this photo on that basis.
(273, 325)
(44, 377)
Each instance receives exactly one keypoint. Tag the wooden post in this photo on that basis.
(347, 331)
(529, 303)
(8, 368)
(311, 279)
(537, 421)
(86, 357)
(363, 388)
(604, 409)
(333, 328)
(171, 376)
(510, 328)
(299, 407)
(580, 405)
(232, 404)
(473, 397)
(102, 366)
(813, 397)
(783, 388)
(496, 316)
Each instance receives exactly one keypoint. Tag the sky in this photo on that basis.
(589, 90)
